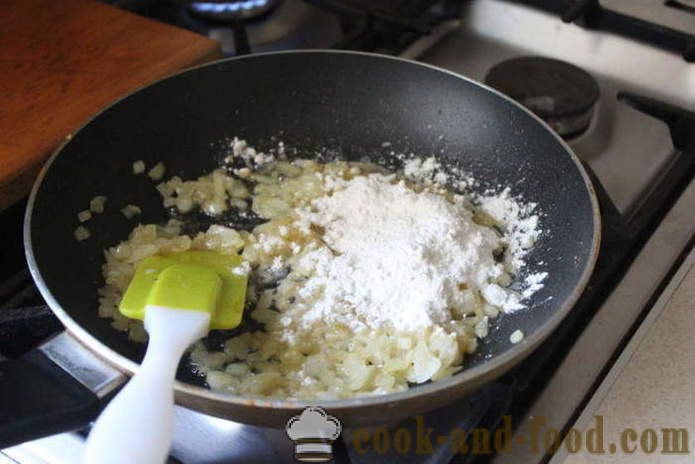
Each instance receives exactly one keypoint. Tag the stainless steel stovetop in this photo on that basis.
(628, 150)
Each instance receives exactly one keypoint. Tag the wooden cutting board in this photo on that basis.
(61, 62)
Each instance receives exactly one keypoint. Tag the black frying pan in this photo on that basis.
(349, 103)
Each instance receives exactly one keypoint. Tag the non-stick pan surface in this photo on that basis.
(347, 104)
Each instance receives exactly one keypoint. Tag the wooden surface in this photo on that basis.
(61, 61)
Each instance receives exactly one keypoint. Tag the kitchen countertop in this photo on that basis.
(652, 384)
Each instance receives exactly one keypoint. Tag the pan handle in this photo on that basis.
(52, 389)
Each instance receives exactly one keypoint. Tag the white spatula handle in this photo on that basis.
(136, 426)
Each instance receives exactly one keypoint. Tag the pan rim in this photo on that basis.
(486, 369)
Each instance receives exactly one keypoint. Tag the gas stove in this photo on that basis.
(628, 111)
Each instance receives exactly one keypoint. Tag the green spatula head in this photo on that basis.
(190, 280)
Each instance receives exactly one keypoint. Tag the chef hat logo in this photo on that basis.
(313, 433)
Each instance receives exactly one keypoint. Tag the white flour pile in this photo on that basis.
(363, 281)
(513, 216)
(522, 226)
(402, 257)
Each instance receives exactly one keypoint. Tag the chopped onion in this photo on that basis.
(130, 211)
(516, 336)
(81, 233)
(138, 167)
(84, 216)
(97, 203)
(157, 172)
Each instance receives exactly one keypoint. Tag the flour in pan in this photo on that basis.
(517, 219)
(399, 256)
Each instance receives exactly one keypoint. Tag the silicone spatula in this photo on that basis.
(180, 297)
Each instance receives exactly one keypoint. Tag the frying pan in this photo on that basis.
(344, 103)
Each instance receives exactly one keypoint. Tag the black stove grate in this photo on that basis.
(25, 319)
(590, 14)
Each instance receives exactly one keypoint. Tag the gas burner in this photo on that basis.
(232, 10)
(560, 93)
(289, 24)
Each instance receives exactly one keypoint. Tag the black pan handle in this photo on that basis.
(39, 398)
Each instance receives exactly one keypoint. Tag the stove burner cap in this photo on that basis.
(560, 93)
